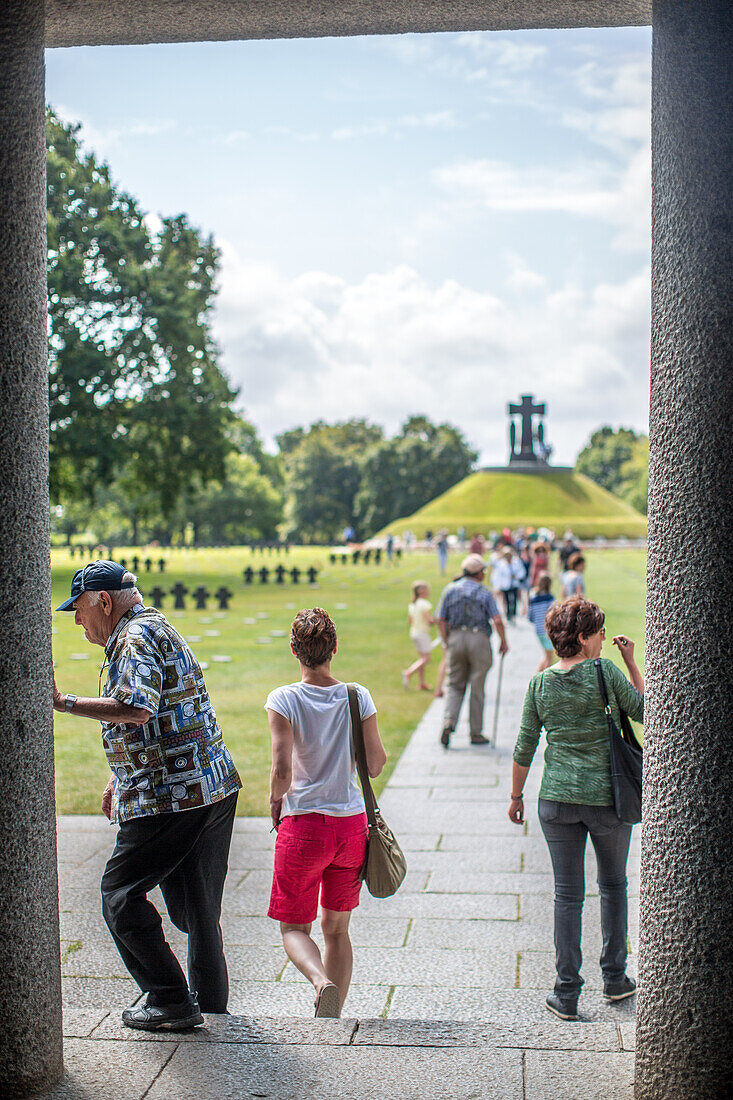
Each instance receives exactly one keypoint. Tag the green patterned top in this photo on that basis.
(568, 704)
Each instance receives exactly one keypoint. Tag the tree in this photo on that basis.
(402, 474)
(136, 393)
(244, 507)
(323, 476)
(618, 460)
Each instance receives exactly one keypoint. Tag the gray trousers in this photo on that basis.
(469, 658)
(566, 827)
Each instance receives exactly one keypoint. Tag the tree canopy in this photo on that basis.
(136, 393)
(618, 459)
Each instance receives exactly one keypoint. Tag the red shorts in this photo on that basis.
(312, 852)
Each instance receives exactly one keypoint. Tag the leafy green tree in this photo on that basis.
(244, 507)
(402, 474)
(618, 460)
(323, 476)
(136, 393)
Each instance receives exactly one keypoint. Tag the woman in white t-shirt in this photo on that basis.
(318, 809)
(420, 619)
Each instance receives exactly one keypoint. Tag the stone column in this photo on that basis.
(30, 982)
(686, 986)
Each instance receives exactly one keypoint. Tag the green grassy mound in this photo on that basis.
(487, 501)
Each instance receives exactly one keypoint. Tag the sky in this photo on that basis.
(412, 224)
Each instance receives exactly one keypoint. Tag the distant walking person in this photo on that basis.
(539, 605)
(576, 798)
(465, 615)
(420, 619)
(540, 563)
(318, 809)
(572, 582)
(173, 792)
(441, 543)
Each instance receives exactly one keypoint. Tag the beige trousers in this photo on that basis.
(469, 659)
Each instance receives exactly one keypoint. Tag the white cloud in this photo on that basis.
(620, 196)
(433, 120)
(392, 344)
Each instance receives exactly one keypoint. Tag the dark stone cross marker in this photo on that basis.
(367, 556)
(248, 574)
(280, 574)
(201, 595)
(527, 409)
(356, 555)
(295, 574)
(332, 559)
(157, 595)
(161, 565)
(312, 575)
(148, 564)
(135, 564)
(123, 563)
(223, 595)
(378, 555)
(178, 591)
(264, 575)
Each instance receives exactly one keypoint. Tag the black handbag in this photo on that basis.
(385, 866)
(626, 760)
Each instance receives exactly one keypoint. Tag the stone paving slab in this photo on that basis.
(338, 1073)
(450, 1033)
(237, 1029)
(571, 1074)
(108, 1071)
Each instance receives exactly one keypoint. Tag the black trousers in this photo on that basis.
(186, 854)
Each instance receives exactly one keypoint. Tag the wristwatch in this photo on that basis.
(70, 700)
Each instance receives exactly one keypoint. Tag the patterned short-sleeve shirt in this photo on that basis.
(466, 603)
(177, 760)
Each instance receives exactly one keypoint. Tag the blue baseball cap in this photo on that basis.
(97, 576)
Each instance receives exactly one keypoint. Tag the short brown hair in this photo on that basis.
(313, 636)
(544, 583)
(566, 621)
(575, 560)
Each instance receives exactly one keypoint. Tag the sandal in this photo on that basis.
(328, 1003)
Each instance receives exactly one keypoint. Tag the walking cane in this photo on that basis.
(498, 696)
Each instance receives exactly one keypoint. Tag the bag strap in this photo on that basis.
(604, 696)
(357, 737)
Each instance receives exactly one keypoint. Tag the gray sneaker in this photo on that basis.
(619, 991)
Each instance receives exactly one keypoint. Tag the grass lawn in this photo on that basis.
(368, 604)
(488, 500)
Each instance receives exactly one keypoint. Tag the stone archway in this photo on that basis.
(683, 1029)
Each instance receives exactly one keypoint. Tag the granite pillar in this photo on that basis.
(30, 981)
(686, 985)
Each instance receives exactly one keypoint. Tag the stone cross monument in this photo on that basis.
(527, 409)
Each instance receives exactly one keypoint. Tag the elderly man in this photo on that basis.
(173, 792)
(465, 614)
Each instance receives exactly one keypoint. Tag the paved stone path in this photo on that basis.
(450, 975)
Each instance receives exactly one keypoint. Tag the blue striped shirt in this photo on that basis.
(467, 603)
(538, 608)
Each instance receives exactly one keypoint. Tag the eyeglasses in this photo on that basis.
(602, 632)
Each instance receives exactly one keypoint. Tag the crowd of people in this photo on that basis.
(173, 785)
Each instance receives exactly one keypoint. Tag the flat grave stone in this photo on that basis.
(249, 621)
(78, 656)
(212, 633)
(341, 606)
(193, 638)
(264, 641)
(207, 619)
(263, 614)
(220, 614)
(278, 633)
(221, 658)
(290, 606)
(203, 664)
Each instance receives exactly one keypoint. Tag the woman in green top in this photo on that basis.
(575, 796)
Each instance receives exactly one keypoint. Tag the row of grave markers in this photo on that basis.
(370, 554)
(223, 594)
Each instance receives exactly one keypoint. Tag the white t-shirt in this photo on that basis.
(324, 768)
(419, 615)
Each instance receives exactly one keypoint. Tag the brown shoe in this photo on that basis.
(479, 739)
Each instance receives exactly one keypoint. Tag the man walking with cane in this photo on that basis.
(173, 792)
(465, 615)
